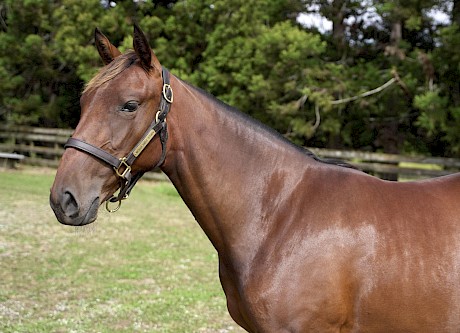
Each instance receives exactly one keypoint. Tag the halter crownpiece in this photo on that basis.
(122, 166)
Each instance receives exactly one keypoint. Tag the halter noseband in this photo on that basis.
(122, 166)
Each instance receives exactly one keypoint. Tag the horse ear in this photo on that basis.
(143, 50)
(106, 50)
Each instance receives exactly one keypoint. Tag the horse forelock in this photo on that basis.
(107, 73)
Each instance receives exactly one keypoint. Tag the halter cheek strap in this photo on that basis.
(122, 166)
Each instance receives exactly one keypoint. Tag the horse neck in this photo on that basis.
(222, 166)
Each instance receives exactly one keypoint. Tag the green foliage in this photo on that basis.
(254, 55)
(261, 72)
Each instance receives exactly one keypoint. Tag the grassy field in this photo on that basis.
(146, 268)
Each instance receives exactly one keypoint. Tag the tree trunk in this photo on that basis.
(338, 25)
(396, 33)
(393, 49)
(456, 12)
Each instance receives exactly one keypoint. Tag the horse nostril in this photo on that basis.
(70, 205)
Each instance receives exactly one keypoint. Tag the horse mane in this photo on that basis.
(107, 73)
(257, 125)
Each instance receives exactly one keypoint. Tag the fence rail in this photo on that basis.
(390, 165)
(41, 146)
(44, 147)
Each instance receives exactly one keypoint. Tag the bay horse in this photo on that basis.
(303, 245)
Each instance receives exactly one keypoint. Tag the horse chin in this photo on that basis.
(81, 219)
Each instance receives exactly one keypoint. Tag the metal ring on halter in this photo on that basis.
(167, 88)
(112, 210)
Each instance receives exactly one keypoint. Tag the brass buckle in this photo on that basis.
(127, 168)
(166, 87)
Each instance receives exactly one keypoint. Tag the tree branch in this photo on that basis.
(318, 118)
(367, 93)
(401, 83)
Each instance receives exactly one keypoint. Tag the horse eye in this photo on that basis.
(130, 106)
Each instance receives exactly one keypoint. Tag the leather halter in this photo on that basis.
(122, 166)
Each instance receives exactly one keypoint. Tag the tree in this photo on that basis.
(254, 55)
(399, 43)
(238, 52)
(26, 65)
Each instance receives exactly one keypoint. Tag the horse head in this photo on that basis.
(123, 109)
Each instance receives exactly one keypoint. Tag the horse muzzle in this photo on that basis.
(70, 212)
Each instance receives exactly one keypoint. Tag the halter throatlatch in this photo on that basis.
(122, 166)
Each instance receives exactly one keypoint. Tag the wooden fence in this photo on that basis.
(394, 167)
(41, 146)
(44, 147)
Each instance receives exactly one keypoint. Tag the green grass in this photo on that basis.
(146, 268)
